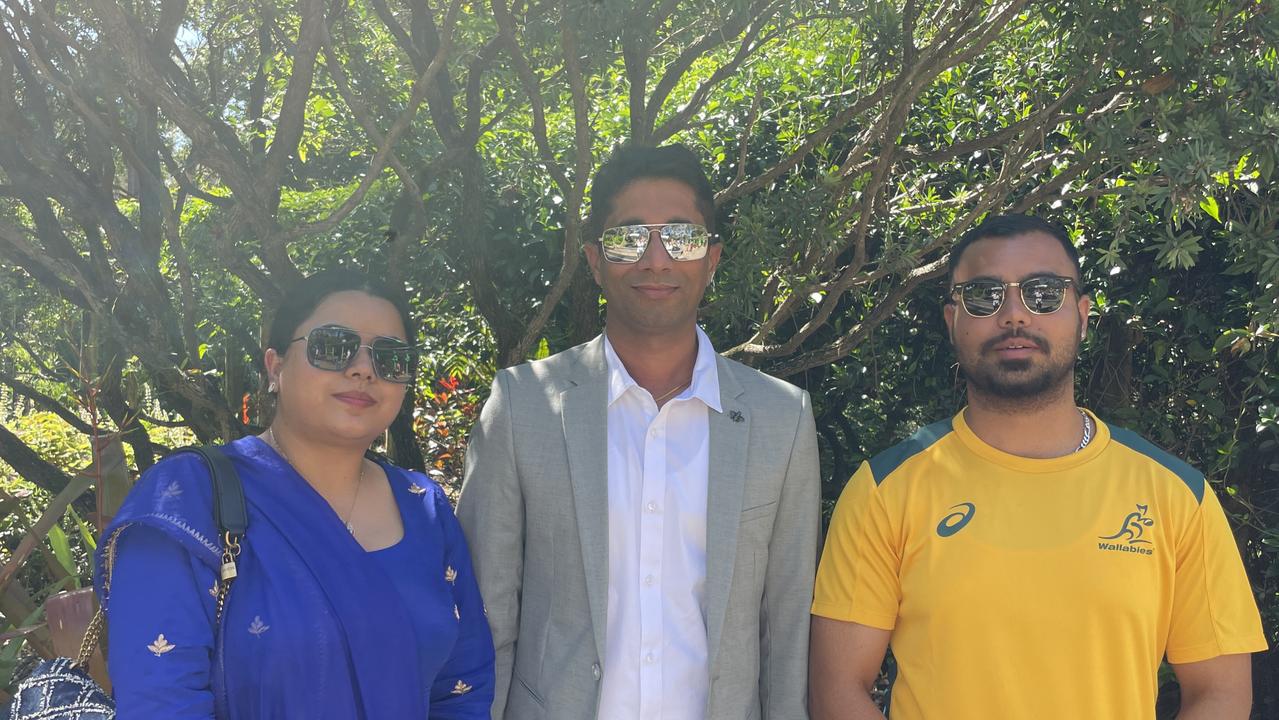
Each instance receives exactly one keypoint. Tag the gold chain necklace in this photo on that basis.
(359, 481)
(658, 400)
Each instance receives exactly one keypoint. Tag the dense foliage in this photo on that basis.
(168, 166)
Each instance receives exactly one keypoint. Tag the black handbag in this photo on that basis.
(61, 689)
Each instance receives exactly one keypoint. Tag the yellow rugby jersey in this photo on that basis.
(1025, 588)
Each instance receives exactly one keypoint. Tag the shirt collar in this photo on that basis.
(705, 385)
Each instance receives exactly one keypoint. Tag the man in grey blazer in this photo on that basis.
(642, 512)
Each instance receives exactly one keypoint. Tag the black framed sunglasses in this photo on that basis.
(333, 347)
(683, 241)
(1042, 295)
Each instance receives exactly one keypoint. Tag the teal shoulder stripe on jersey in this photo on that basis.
(1182, 469)
(889, 460)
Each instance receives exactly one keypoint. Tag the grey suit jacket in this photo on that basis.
(534, 508)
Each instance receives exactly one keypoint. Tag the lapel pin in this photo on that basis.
(735, 416)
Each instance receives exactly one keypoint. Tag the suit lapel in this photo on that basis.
(585, 417)
(726, 478)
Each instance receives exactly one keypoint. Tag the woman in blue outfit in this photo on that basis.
(354, 596)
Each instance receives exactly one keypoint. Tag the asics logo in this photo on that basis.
(955, 521)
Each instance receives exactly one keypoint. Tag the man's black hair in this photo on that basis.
(1002, 226)
(629, 163)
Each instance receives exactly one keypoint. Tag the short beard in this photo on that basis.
(1006, 386)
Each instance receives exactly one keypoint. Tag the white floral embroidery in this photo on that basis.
(214, 590)
(461, 688)
(258, 627)
(457, 614)
(416, 489)
(160, 646)
(450, 575)
(172, 491)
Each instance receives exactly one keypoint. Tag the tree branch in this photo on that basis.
(164, 86)
(288, 130)
(402, 39)
(43, 265)
(45, 402)
(386, 150)
(29, 465)
(532, 88)
(811, 142)
(635, 38)
(848, 341)
(750, 19)
(570, 259)
(476, 69)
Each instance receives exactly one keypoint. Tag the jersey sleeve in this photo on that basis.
(1213, 610)
(858, 578)
(160, 618)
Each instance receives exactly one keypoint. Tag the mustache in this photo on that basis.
(989, 345)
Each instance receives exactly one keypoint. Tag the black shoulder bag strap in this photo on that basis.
(228, 494)
(228, 510)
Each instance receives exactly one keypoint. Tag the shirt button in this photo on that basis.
(650, 659)
(595, 671)
(648, 579)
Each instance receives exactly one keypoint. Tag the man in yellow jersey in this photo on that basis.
(1024, 559)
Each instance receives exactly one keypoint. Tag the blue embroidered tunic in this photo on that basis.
(313, 625)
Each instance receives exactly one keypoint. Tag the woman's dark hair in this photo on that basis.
(629, 163)
(307, 294)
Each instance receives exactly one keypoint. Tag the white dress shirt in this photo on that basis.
(655, 648)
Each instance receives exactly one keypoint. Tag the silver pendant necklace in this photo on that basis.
(359, 482)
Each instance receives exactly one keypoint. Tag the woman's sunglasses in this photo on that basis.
(333, 347)
(627, 243)
(1041, 295)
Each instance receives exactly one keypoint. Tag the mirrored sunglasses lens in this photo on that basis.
(685, 241)
(624, 244)
(1043, 295)
(982, 299)
(394, 361)
(329, 348)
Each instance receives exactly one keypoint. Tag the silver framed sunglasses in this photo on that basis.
(334, 347)
(683, 241)
(1041, 295)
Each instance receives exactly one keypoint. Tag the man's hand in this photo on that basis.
(1216, 689)
(844, 661)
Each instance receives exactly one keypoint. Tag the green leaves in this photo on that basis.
(1178, 250)
(1209, 205)
(62, 553)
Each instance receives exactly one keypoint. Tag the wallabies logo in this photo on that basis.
(1130, 533)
